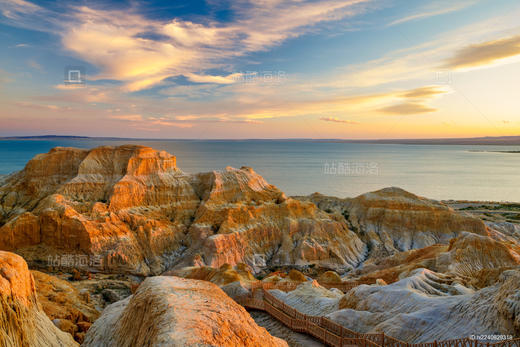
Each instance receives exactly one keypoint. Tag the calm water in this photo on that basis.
(340, 169)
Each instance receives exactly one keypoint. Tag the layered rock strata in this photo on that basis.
(22, 321)
(171, 311)
(130, 209)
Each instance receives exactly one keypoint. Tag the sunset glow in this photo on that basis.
(347, 69)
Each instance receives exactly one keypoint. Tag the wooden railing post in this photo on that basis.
(326, 329)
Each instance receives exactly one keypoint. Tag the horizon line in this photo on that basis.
(436, 139)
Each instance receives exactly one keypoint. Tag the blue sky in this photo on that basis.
(261, 69)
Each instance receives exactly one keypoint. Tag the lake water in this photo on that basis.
(340, 169)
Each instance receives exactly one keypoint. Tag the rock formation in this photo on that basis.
(329, 277)
(222, 276)
(170, 311)
(22, 322)
(70, 310)
(130, 209)
(311, 298)
(392, 220)
(469, 254)
(476, 260)
(422, 307)
(243, 219)
(429, 306)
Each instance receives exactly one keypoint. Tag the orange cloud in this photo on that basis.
(424, 92)
(407, 108)
(113, 40)
(485, 53)
(128, 117)
(337, 120)
(150, 123)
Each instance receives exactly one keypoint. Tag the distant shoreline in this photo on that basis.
(481, 151)
(496, 141)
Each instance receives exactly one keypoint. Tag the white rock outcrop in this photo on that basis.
(429, 306)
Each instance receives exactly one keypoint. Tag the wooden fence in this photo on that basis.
(333, 334)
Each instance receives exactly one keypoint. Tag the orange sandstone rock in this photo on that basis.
(172, 311)
(329, 277)
(22, 322)
(130, 209)
(226, 274)
(64, 304)
(392, 220)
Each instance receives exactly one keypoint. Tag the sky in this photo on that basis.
(216, 69)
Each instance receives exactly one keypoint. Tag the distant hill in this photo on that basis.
(488, 140)
(42, 137)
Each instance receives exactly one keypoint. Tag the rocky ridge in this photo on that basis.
(22, 321)
(69, 309)
(392, 220)
(130, 209)
(427, 306)
(171, 311)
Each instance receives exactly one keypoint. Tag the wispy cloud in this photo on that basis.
(280, 106)
(189, 64)
(37, 106)
(424, 92)
(229, 79)
(438, 9)
(143, 52)
(128, 117)
(150, 123)
(337, 120)
(485, 53)
(163, 121)
(407, 108)
(82, 94)
(16, 9)
(415, 101)
(421, 62)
